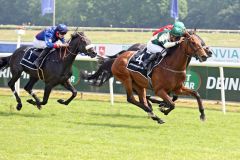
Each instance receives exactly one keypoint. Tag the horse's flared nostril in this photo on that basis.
(204, 58)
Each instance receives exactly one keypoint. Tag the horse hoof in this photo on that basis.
(31, 101)
(39, 107)
(61, 101)
(163, 110)
(160, 121)
(202, 118)
(19, 106)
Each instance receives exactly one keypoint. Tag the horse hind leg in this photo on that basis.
(69, 87)
(140, 91)
(28, 87)
(167, 100)
(11, 84)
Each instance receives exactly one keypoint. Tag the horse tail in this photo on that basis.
(104, 72)
(102, 75)
(116, 55)
(4, 62)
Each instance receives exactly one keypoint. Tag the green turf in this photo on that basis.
(95, 130)
(211, 39)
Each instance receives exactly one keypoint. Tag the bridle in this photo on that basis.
(195, 50)
(75, 52)
(186, 53)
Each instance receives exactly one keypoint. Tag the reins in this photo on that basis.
(166, 67)
(67, 50)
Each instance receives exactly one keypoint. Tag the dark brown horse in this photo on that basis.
(167, 77)
(57, 69)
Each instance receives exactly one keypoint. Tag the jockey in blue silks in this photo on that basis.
(47, 39)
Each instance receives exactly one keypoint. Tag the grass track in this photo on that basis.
(90, 129)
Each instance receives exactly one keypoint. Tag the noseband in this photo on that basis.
(192, 47)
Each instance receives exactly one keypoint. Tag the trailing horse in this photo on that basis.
(56, 69)
(104, 73)
(167, 77)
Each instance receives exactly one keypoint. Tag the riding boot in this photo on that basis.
(151, 58)
(41, 56)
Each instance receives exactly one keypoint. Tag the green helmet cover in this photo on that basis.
(179, 25)
(177, 32)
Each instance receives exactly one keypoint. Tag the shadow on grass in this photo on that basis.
(8, 114)
(116, 125)
(117, 115)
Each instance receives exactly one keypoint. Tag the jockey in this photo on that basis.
(46, 39)
(163, 40)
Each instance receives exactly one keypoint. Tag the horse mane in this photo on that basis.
(76, 34)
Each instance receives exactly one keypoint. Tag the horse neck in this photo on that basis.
(178, 58)
(70, 56)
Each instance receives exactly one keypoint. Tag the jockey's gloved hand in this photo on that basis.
(181, 40)
(64, 45)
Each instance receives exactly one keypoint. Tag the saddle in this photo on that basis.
(30, 55)
(135, 63)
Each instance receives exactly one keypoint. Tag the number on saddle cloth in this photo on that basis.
(136, 62)
(30, 55)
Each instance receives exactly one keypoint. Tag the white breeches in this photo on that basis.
(153, 48)
(39, 44)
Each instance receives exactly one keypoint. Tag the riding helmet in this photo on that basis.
(62, 28)
(179, 25)
(177, 32)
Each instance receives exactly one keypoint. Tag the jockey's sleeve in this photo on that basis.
(164, 39)
(169, 44)
(48, 42)
(62, 40)
(48, 39)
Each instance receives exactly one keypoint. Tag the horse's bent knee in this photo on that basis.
(74, 93)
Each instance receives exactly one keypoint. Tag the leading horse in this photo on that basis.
(167, 77)
(57, 69)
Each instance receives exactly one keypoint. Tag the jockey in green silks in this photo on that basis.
(163, 40)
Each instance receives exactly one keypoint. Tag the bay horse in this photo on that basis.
(167, 77)
(104, 72)
(57, 69)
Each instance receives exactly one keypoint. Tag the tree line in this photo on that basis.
(202, 14)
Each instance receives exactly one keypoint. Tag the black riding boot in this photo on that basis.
(41, 56)
(151, 58)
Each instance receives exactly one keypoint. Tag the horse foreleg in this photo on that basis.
(28, 88)
(69, 87)
(189, 92)
(170, 104)
(47, 91)
(11, 84)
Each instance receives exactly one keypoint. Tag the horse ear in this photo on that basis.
(194, 30)
(187, 34)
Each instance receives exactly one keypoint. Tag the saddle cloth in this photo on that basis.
(135, 63)
(30, 55)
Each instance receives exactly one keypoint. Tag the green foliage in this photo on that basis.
(213, 14)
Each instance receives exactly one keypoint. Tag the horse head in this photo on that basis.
(194, 47)
(82, 44)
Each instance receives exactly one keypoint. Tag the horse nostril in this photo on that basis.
(204, 58)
